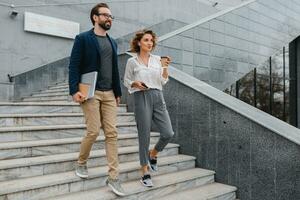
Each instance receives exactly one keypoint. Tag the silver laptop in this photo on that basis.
(91, 79)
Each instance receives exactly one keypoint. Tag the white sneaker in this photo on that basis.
(81, 171)
(146, 180)
(116, 187)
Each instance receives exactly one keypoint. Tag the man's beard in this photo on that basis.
(105, 25)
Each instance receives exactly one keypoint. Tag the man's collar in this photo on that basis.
(93, 33)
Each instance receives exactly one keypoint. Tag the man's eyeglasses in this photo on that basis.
(107, 16)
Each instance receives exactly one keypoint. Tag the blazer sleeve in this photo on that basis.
(117, 88)
(74, 66)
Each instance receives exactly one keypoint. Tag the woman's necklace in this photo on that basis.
(143, 61)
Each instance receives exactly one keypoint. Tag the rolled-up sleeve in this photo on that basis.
(129, 76)
(164, 80)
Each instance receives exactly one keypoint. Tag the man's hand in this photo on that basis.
(78, 97)
(118, 100)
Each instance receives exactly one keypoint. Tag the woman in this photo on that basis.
(145, 75)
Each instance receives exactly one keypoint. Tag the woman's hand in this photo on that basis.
(165, 61)
(139, 85)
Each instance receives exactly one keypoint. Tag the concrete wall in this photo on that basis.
(259, 162)
(222, 4)
(40, 79)
(6, 91)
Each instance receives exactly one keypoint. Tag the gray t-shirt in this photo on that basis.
(104, 81)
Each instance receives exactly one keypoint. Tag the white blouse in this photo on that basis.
(138, 71)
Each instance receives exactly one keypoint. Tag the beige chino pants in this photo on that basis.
(101, 112)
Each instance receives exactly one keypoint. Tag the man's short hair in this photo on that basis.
(95, 10)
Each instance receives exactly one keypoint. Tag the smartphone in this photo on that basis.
(143, 84)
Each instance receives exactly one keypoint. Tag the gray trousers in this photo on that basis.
(150, 106)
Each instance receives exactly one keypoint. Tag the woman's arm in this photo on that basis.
(165, 72)
(128, 76)
(164, 62)
(129, 80)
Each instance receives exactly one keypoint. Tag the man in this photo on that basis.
(95, 50)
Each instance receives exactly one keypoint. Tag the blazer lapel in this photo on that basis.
(95, 41)
(115, 56)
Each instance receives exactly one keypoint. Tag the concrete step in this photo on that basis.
(52, 91)
(61, 83)
(52, 118)
(23, 149)
(62, 183)
(42, 165)
(48, 98)
(50, 94)
(44, 107)
(22, 133)
(163, 184)
(62, 86)
(215, 191)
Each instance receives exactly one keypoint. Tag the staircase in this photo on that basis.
(40, 140)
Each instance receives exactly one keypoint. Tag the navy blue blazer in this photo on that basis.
(85, 57)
